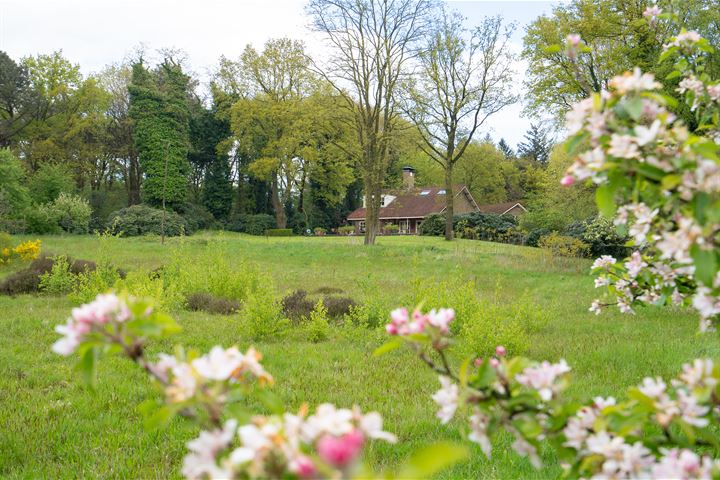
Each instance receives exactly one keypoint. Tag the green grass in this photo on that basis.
(51, 426)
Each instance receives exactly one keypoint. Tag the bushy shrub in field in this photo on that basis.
(346, 230)
(28, 279)
(262, 316)
(433, 225)
(72, 213)
(59, 280)
(533, 237)
(319, 231)
(201, 301)
(296, 305)
(93, 282)
(197, 217)
(317, 327)
(564, 246)
(338, 307)
(251, 224)
(24, 251)
(41, 220)
(143, 220)
(602, 236)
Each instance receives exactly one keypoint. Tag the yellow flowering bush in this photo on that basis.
(26, 251)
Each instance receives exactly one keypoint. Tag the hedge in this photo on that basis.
(279, 232)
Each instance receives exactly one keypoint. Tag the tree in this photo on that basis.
(371, 42)
(460, 83)
(536, 146)
(17, 99)
(618, 38)
(487, 174)
(159, 110)
(508, 152)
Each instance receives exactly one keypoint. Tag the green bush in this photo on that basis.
(42, 220)
(533, 238)
(564, 246)
(72, 213)
(143, 220)
(279, 232)
(13, 184)
(319, 231)
(602, 236)
(346, 230)
(262, 316)
(251, 224)
(197, 217)
(91, 283)
(433, 225)
(60, 280)
(318, 326)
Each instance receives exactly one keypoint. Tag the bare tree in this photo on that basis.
(372, 41)
(462, 78)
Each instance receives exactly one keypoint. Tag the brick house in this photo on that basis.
(409, 206)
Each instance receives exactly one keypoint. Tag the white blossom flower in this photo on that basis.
(623, 146)
(447, 399)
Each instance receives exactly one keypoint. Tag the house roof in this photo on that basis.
(414, 203)
(500, 208)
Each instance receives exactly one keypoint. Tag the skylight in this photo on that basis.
(441, 192)
(425, 192)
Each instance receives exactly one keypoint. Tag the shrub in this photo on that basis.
(60, 280)
(201, 301)
(262, 316)
(28, 250)
(533, 238)
(338, 307)
(72, 213)
(279, 232)
(329, 290)
(433, 225)
(42, 220)
(346, 230)
(563, 246)
(602, 236)
(319, 231)
(197, 217)
(25, 251)
(28, 279)
(251, 224)
(92, 282)
(390, 229)
(143, 220)
(296, 305)
(318, 327)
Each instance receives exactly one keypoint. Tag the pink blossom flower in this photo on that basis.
(652, 12)
(441, 319)
(479, 423)
(634, 82)
(653, 388)
(542, 378)
(623, 146)
(645, 135)
(201, 462)
(567, 180)
(635, 265)
(303, 467)
(340, 451)
(219, 364)
(604, 261)
(447, 399)
(500, 351)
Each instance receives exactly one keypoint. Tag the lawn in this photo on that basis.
(52, 426)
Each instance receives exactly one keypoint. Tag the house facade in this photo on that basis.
(409, 206)
(507, 208)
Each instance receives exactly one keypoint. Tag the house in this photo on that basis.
(409, 206)
(514, 208)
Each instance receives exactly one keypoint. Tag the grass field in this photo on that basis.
(53, 427)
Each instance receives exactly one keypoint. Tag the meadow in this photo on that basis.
(53, 426)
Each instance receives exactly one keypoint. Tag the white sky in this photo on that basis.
(95, 33)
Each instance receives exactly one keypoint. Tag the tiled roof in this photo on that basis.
(499, 208)
(415, 203)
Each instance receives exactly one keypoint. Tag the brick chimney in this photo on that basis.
(408, 176)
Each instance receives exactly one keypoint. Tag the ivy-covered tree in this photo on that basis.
(159, 109)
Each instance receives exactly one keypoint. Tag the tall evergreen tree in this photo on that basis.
(537, 145)
(159, 109)
(506, 150)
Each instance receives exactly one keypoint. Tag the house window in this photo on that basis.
(361, 225)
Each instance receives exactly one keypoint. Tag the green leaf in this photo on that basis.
(553, 49)
(271, 401)
(387, 347)
(573, 142)
(706, 149)
(673, 74)
(464, 371)
(605, 199)
(428, 461)
(705, 264)
(87, 366)
(157, 419)
(671, 181)
(634, 107)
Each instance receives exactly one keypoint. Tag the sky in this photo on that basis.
(95, 33)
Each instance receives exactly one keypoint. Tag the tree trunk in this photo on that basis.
(449, 200)
(372, 212)
(278, 206)
(134, 180)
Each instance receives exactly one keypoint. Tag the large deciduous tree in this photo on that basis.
(17, 99)
(371, 43)
(463, 78)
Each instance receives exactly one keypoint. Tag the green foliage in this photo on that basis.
(602, 236)
(317, 327)
(49, 182)
(144, 220)
(72, 213)
(564, 246)
(390, 228)
(432, 225)
(262, 316)
(13, 186)
(159, 109)
(279, 232)
(197, 217)
(346, 230)
(91, 283)
(60, 280)
(252, 224)
(537, 145)
(41, 220)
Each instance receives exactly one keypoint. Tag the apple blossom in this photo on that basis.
(447, 399)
